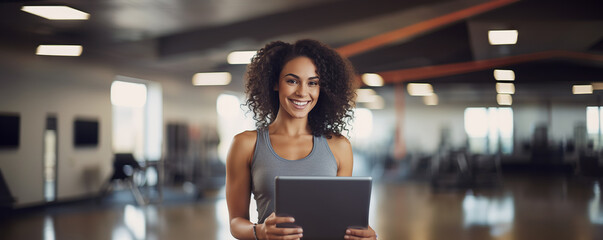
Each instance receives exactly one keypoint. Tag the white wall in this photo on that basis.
(565, 117)
(423, 124)
(34, 86)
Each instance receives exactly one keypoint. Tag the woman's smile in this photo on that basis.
(300, 104)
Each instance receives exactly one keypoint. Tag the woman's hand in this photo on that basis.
(269, 231)
(357, 234)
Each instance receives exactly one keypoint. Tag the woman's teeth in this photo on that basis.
(300, 103)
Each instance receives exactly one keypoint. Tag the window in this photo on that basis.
(232, 119)
(137, 118)
(489, 130)
(594, 115)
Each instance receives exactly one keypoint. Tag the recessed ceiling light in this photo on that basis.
(59, 50)
(376, 102)
(212, 79)
(504, 75)
(505, 88)
(372, 79)
(582, 89)
(56, 12)
(419, 89)
(504, 99)
(240, 57)
(365, 95)
(431, 100)
(502, 37)
(597, 85)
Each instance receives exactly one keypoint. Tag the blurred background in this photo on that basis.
(477, 119)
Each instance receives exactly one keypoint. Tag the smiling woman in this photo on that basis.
(301, 96)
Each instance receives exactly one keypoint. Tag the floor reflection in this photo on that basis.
(49, 228)
(496, 213)
(595, 213)
(135, 221)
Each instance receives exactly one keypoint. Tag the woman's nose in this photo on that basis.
(301, 90)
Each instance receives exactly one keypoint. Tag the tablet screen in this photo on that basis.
(323, 206)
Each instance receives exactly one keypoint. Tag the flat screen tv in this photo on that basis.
(85, 133)
(9, 130)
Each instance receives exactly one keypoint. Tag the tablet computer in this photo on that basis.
(323, 206)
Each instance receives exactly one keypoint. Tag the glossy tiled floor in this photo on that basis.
(526, 207)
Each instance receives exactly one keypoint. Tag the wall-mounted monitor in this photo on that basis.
(85, 133)
(9, 130)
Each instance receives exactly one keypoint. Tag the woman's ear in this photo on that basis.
(276, 87)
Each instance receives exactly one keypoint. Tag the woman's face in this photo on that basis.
(298, 87)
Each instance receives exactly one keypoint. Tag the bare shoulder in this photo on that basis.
(243, 146)
(339, 143)
(246, 137)
(342, 151)
(340, 146)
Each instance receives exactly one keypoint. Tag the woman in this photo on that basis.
(301, 97)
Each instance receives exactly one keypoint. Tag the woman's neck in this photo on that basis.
(287, 125)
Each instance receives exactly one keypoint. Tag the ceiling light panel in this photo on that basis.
(240, 57)
(372, 79)
(597, 85)
(504, 99)
(365, 95)
(582, 89)
(502, 37)
(504, 75)
(56, 12)
(59, 50)
(212, 79)
(419, 89)
(505, 88)
(431, 100)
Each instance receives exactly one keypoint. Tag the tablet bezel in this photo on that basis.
(303, 197)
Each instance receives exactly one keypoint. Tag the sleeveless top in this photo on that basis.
(266, 165)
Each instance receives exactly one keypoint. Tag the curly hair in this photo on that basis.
(333, 109)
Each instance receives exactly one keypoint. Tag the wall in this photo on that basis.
(423, 125)
(35, 87)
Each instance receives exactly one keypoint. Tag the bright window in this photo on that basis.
(137, 118)
(233, 118)
(592, 120)
(489, 129)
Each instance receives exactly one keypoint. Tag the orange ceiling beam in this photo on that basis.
(418, 28)
(420, 73)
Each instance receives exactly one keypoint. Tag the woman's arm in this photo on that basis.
(238, 182)
(342, 150)
(238, 194)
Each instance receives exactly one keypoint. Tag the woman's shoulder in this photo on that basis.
(242, 147)
(339, 143)
(338, 140)
(246, 137)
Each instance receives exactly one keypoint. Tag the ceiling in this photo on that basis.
(443, 42)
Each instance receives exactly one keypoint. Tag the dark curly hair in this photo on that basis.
(333, 110)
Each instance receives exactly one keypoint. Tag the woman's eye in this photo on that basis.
(291, 81)
(313, 83)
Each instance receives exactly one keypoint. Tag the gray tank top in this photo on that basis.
(267, 165)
